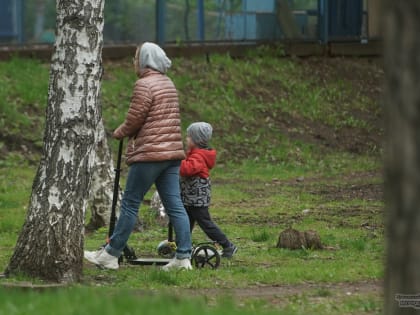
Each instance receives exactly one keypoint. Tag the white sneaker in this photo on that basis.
(102, 259)
(176, 263)
(92, 255)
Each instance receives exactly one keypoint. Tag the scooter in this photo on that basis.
(204, 255)
(128, 252)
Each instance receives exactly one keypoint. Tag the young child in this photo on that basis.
(196, 184)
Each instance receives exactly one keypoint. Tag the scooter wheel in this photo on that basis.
(206, 256)
(166, 249)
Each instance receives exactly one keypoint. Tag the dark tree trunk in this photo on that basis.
(50, 245)
(402, 162)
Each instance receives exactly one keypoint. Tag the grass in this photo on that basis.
(23, 97)
(110, 301)
(265, 177)
(260, 236)
(104, 301)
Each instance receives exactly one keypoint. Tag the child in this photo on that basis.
(196, 184)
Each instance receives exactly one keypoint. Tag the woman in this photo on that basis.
(154, 153)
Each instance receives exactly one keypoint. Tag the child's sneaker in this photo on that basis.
(176, 263)
(102, 259)
(228, 252)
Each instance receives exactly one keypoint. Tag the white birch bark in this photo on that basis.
(50, 245)
(103, 176)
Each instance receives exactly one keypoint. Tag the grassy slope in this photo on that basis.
(275, 120)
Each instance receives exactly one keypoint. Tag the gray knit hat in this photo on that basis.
(200, 133)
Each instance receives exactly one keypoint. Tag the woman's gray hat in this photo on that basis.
(200, 133)
(152, 56)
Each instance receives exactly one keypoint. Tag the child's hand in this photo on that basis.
(190, 144)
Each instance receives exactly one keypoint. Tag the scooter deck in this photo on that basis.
(149, 261)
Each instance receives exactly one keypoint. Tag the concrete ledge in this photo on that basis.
(357, 49)
(235, 49)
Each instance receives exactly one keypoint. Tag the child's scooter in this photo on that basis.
(204, 255)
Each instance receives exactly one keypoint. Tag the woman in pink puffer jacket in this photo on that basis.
(154, 154)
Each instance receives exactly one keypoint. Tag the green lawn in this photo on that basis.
(269, 115)
(81, 300)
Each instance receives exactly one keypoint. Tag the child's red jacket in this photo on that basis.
(198, 163)
(195, 180)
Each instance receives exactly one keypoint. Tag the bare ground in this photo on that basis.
(316, 293)
(279, 292)
(278, 295)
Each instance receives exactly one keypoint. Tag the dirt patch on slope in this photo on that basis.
(368, 192)
(281, 291)
(354, 140)
(282, 295)
(356, 185)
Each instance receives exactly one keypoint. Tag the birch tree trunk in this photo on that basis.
(102, 183)
(402, 189)
(50, 245)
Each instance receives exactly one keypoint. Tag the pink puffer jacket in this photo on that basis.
(153, 121)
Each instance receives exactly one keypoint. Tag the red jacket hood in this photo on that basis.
(209, 156)
(198, 163)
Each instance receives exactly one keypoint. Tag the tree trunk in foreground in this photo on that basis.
(103, 176)
(402, 189)
(50, 245)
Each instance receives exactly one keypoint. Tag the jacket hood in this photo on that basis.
(154, 57)
(209, 156)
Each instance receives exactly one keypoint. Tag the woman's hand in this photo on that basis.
(117, 134)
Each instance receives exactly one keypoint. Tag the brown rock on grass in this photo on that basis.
(291, 239)
(313, 241)
(294, 239)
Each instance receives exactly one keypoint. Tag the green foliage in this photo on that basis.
(135, 20)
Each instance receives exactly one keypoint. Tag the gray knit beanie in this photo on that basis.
(200, 133)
